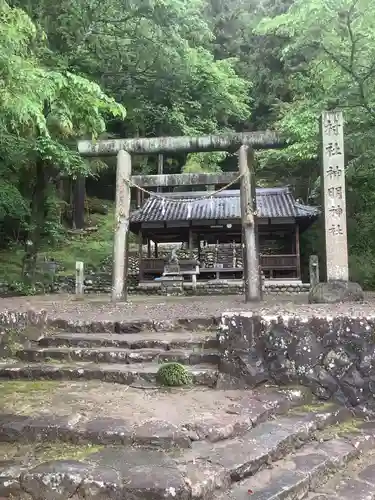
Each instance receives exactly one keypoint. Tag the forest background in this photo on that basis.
(141, 68)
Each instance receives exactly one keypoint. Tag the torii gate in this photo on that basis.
(244, 143)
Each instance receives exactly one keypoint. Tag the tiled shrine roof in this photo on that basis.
(276, 202)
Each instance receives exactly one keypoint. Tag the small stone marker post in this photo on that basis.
(79, 278)
(314, 270)
(334, 196)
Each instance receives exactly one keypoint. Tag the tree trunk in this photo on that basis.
(79, 202)
(38, 217)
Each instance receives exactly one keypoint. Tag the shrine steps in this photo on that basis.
(134, 374)
(300, 454)
(128, 358)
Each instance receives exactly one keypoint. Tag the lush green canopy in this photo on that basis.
(70, 69)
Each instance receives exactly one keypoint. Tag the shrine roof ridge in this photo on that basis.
(276, 202)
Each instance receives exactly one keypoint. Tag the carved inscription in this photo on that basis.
(335, 192)
(334, 195)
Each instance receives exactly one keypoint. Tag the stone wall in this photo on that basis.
(335, 357)
(20, 328)
(102, 283)
(224, 287)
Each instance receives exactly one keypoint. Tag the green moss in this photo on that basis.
(11, 341)
(25, 387)
(173, 375)
(349, 427)
(313, 407)
(43, 452)
(66, 451)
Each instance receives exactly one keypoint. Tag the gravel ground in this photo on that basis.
(99, 308)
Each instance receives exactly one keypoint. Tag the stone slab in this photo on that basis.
(293, 477)
(243, 412)
(350, 488)
(182, 322)
(143, 473)
(264, 444)
(122, 374)
(118, 355)
(146, 340)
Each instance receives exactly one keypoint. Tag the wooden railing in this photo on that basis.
(155, 266)
(279, 262)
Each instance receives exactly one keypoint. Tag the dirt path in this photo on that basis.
(99, 308)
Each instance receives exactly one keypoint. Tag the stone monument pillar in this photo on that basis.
(337, 288)
(333, 185)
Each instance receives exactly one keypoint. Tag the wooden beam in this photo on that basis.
(154, 145)
(183, 179)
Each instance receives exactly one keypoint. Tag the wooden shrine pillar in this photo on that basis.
(139, 198)
(140, 256)
(298, 252)
(191, 242)
(160, 169)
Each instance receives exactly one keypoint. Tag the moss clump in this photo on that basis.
(173, 375)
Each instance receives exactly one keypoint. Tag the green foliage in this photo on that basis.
(173, 375)
(12, 203)
(70, 69)
(204, 162)
(153, 56)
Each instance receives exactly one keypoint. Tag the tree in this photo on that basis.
(330, 56)
(153, 56)
(42, 112)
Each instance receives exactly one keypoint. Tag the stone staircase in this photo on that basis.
(125, 358)
(314, 452)
(273, 444)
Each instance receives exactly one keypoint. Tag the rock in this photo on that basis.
(160, 433)
(336, 291)
(108, 431)
(59, 480)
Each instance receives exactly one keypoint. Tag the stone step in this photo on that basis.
(146, 340)
(298, 475)
(266, 443)
(200, 472)
(243, 415)
(191, 324)
(326, 469)
(118, 355)
(356, 482)
(128, 374)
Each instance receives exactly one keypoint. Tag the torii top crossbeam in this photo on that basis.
(224, 142)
